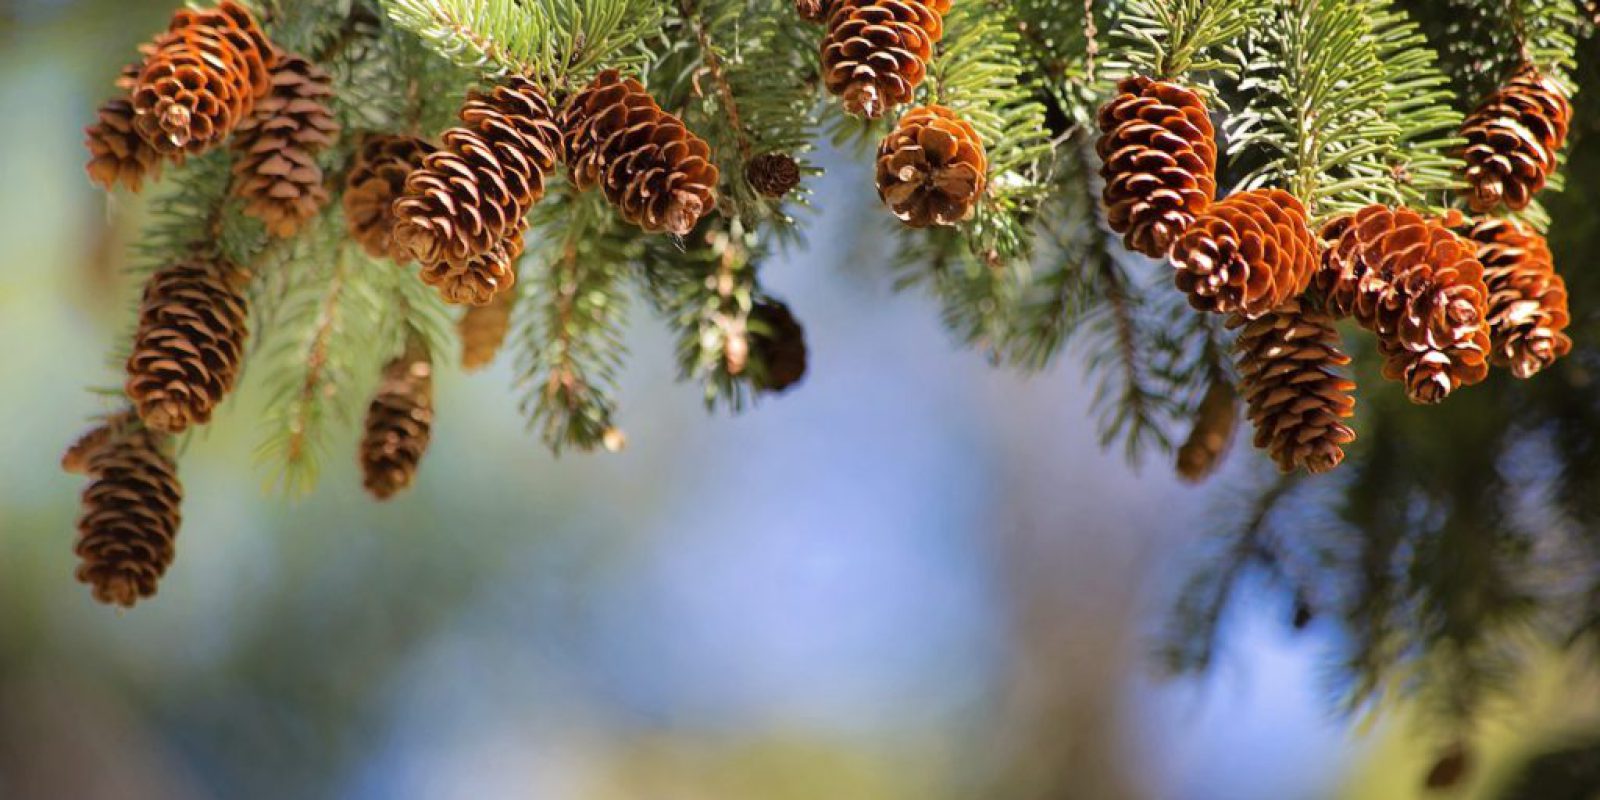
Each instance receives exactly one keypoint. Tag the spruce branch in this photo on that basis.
(1166, 39)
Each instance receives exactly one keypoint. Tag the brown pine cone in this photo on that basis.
(117, 154)
(483, 330)
(1159, 160)
(80, 453)
(932, 168)
(1527, 298)
(474, 191)
(276, 173)
(778, 345)
(1419, 287)
(1288, 373)
(201, 79)
(376, 180)
(1212, 433)
(811, 10)
(478, 280)
(657, 172)
(876, 51)
(773, 174)
(189, 343)
(1247, 254)
(1512, 140)
(130, 517)
(399, 425)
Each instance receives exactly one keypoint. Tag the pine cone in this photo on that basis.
(1512, 140)
(189, 343)
(1527, 309)
(1212, 433)
(657, 172)
(117, 154)
(1419, 287)
(483, 330)
(276, 172)
(376, 180)
(811, 10)
(778, 344)
(876, 51)
(1288, 373)
(477, 281)
(399, 425)
(773, 174)
(474, 191)
(76, 460)
(932, 168)
(130, 517)
(1159, 160)
(1248, 254)
(201, 78)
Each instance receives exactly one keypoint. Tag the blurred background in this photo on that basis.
(916, 576)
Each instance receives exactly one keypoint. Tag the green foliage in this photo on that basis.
(1170, 38)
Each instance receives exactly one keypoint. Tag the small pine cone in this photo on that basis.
(189, 343)
(483, 330)
(1158, 153)
(117, 154)
(1247, 254)
(773, 174)
(811, 10)
(657, 172)
(1288, 373)
(1419, 287)
(376, 180)
(201, 79)
(932, 168)
(1512, 140)
(478, 280)
(778, 345)
(276, 172)
(1212, 433)
(876, 51)
(130, 517)
(475, 190)
(399, 425)
(1527, 299)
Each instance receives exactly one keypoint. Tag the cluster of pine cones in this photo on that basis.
(1445, 296)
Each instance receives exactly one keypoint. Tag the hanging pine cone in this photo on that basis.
(483, 330)
(474, 191)
(117, 154)
(399, 425)
(189, 343)
(876, 51)
(1512, 140)
(1527, 300)
(1248, 254)
(130, 516)
(1159, 159)
(477, 281)
(773, 174)
(932, 169)
(1288, 373)
(201, 79)
(376, 180)
(811, 10)
(276, 173)
(778, 344)
(1419, 287)
(1212, 433)
(657, 172)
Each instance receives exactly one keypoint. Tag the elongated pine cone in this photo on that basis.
(876, 51)
(130, 511)
(189, 343)
(376, 180)
(277, 173)
(1527, 298)
(657, 172)
(117, 153)
(487, 173)
(1158, 153)
(778, 347)
(932, 168)
(483, 330)
(1247, 254)
(1289, 364)
(1512, 140)
(478, 280)
(1419, 287)
(1209, 439)
(399, 425)
(201, 79)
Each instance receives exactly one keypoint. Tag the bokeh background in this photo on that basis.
(915, 577)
